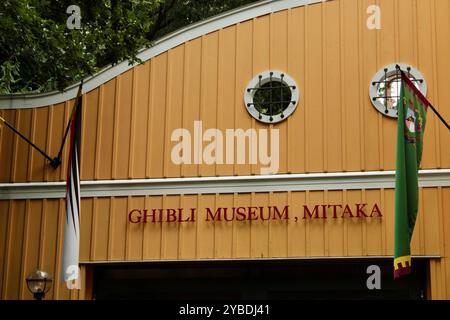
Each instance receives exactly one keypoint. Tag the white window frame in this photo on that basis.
(265, 78)
(391, 69)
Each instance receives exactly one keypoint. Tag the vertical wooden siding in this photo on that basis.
(325, 47)
(128, 121)
(31, 232)
(31, 237)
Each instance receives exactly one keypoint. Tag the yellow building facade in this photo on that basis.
(335, 150)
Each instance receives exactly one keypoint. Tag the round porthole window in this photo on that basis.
(386, 84)
(271, 97)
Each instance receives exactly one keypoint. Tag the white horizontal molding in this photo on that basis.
(228, 184)
(21, 101)
(311, 258)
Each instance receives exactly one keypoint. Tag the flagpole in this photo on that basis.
(439, 116)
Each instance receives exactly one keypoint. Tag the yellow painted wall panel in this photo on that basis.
(174, 109)
(31, 246)
(226, 88)
(296, 135)
(354, 225)
(374, 225)
(278, 227)
(170, 231)
(187, 248)
(442, 63)
(279, 61)
(37, 162)
(152, 238)
(371, 118)
(259, 229)
(244, 74)
(191, 96)
(7, 145)
(332, 89)
(205, 229)
(315, 238)
(208, 100)
(405, 32)
(122, 125)
(430, 214)
(296, 230)
(118, 228)
(21, 152)
(335, 226)
(350, 85)
(445, 198)
(89, 136)
(68, 107)
(223, 231)
(100, 221)
(157, 115)
(447, 279)
(12, 281)
(86, 213)
(105, 130)
(326, 238)
(134, 237)
(49, 237)
(439, 279)
(139, 121)
(58, 117)
(313, 90)
(426, 63)
(4, 216)
(241, 236)
(33, 241)
(436, 280)
(388, 217)
(387, 53)
(261, 51)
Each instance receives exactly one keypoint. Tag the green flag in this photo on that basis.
(411, 125)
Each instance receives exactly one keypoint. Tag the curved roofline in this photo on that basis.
(232, 17)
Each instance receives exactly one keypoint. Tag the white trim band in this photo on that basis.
(234, 260)
(22, 101)
(229, 184)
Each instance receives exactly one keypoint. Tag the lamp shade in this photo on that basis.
(39, 283)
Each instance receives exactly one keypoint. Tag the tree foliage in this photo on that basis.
(39, 53)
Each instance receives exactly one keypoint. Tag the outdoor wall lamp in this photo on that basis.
(39, 283)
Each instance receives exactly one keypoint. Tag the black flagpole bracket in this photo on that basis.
(56, 161)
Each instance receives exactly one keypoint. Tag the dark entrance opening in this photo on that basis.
(259, 279)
